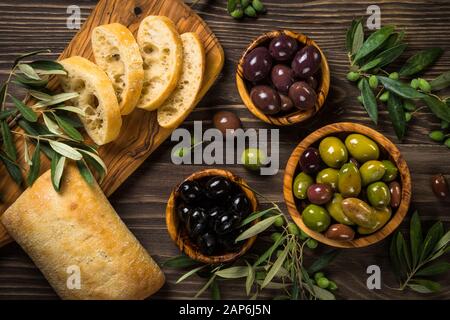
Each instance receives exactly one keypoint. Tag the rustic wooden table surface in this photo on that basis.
(27, 25)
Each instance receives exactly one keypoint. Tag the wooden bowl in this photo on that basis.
(387, 149)
(178, 232)
(295, 116)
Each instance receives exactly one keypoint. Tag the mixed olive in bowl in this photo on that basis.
(283, 77)
(204, 214)
(347, 186)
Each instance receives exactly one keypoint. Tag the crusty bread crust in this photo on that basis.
(117, 53)
(175, 109)
(79, 227)
(97, 98)
(162, 53)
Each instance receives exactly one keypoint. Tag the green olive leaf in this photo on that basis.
(56, 170)
(443, 242)
(374, 41)
(57, 99)
(190, 273)
(323, 261)
(395, 260)
(251, 274)
(27, 82)
(402, 252)
(424, 286)
(181, 261)
(215, 290)
(350, 35)
(68, 128)
(65, 150)
(257, 228)
(420, 61)
(416, 237)
(275, 267)
(399, 88)
(268, 253)
(25, 110)
(384, 58)
(29, 71)
(52, 126)
(47, 65)
(35, 166)
(8, 143)
(12, 168)
(5, 114)
(205, 287)
(397, 115)
(441, 82)
(358, 38)
(40, 95)
(256, 215)
(323, 294)
(26, 55)
(3, 93)
(434, 234)
(369, 101)
(434, 269)
(438, 107)
(85, 172)
(233, 272)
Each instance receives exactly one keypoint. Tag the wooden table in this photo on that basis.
(27, 25)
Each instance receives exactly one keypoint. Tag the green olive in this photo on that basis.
(378, 194)
(328, 175)
(371, 171)
(333, 152)
(359, 212)
(335, 210)
(391, 171)
(382, 216)
(301, 184)
(316, 218)
(253, 158)
(349, 181)
(362, 148)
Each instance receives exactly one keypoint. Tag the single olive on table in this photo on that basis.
(211, 210)
(345, 187)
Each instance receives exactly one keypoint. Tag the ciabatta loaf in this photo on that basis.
(117, 53)
(162, 52)
(97, 98)
(183, 99)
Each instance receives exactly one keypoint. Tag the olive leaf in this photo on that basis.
(434, 234)
(395, 261)
(27, 55)
(57, 170)
(420, 61)
(97, 167)
(181, 261)
(96, 158)
(268, 253)
(65, 150)
(374, 41)
(5, 114)
(47, 65)
(51, 125)
(358, 38)
(26, 153)
(29, 71)
(441, 82)
(25, 110)
(403, 251)
(385, 57)
(85, 172)
(323, 294)
(35, 165)
(206, 286)
(72, 109)
(443, 242)
(399, 88)
(323, 261)
(369, 101)
(416, 238)
(397, 115)
(68, 128)
(190, 273)
(3, 93)
(8, 144)
(256, 215)
(251, 274)
(424, 286)
(350, 35)
(12, 168)
(276, 266)
(27, 82)
(438, 107)
(257, 228)
(40, 95)
(215, 290)
(56, 99)
(233, 272)
(434, 269)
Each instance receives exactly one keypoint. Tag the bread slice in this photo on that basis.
(117, 53)
(162, 52)
(182, 100)
(97, 98)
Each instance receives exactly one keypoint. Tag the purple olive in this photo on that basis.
(306, 62)
(282, 78)
(266, 99)
(320, 193)
(310, 161)
(286, 103)
(303, 96)
(283, 48)
(257, 64)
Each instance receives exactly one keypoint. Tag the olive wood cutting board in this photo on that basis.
(140, 134)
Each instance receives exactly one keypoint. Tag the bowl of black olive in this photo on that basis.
(283, 77)
(204, 214)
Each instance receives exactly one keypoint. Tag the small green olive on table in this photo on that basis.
(253, 158)
(349, 181)
(333, 152)
(371, 171)
(362, 148)
(316, 218)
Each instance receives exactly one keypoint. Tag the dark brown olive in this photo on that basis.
(310, 160)
(440, 186)
(224, 120)
(286, 103)
(303, 96)
(320, 193)
(306, 62)
(266, 99)
(313, 83)
(396, 193)
(282, 78)
(340, 232)
(257, 64)
(283, 47)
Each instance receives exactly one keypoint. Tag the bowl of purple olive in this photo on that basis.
(283, 77)
(204, 215)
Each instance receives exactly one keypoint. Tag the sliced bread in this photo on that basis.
(102, 119)
(117, 53)
(162, 52)
(182, 101)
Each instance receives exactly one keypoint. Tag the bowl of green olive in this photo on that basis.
(347, 186)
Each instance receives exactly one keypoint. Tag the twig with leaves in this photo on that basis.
(369, 57)
(48, 124)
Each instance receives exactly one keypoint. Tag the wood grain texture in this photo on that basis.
(388, 151)
(293, 117)
(140, 133)
(27, 25)
(178, 232)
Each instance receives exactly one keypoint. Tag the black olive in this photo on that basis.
(207, 243)
(197, 222)
(226, 223)
(228, 241)
(190, 191)
(213, 215)
(218, 187)
(241, 205)
(184, 212)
